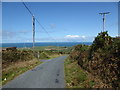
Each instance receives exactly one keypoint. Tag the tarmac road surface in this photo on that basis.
(49, 74)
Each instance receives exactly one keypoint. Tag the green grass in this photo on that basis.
(49, 48)
(14, 70)
(55, 56)
(91, 83)
(18, 68)
(74, 76)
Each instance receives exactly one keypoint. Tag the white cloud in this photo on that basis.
(83, 37)
(72, 36)
(75, 36)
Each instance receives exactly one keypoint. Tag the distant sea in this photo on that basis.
(67, 44)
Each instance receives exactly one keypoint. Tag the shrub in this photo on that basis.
(15, 56)
(43, 55)
(102, 58)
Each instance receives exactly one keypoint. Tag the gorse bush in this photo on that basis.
(17, 55)
(102, 58)
(101, 42)
(44, 55)
(78, 52)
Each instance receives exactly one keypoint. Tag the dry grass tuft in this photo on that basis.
(17, 68)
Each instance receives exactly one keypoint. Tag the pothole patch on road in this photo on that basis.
(56, 81)
(58, 74)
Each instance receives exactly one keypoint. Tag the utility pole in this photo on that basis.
(104, 19)
(119, 19)
(33, 28)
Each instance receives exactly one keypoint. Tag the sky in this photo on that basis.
(64, 21)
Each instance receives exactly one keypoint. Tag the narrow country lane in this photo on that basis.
(50, 74)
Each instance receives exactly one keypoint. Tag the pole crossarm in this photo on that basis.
(104, 19)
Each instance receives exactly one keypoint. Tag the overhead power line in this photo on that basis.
(37, 21)
(44, 29)
(27, 8)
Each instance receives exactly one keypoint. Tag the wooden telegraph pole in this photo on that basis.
(33, 29)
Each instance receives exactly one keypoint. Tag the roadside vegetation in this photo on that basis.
(77, 77)
(101, 59)
(15, 62)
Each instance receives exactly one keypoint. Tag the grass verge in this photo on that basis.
(54, 56)
(76, 77)
(57, 55)
(17, 68)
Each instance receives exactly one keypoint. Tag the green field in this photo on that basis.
(65, 50)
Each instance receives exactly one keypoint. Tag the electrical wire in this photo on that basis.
(37, 21)
(27, 8)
